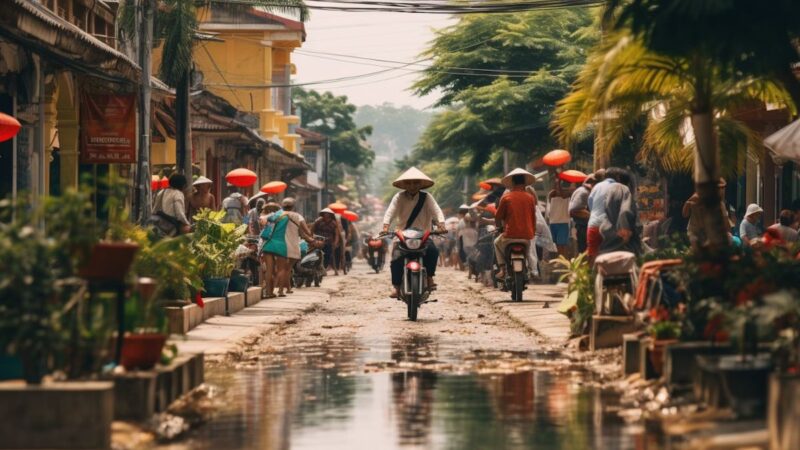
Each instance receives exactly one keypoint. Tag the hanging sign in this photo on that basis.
(108, 128)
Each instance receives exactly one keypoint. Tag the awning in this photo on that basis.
(785, 143)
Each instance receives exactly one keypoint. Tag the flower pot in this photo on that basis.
(215, 287)
(783, 411)
(109, 261)
(734, 381)
(239, 282)
(142, 351)
(680, 363)
(33, 368)
(656, 354)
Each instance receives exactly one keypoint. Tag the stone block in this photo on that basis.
(631, 353)
(783, 414)
(607, 331)
(253, 296)
(236, 302)
(214, 306)
(181, 319)
(680, 362)
(67, 415)
(134, 395)
(646, 369)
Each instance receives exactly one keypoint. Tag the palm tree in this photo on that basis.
(176, 24)
(688, 103)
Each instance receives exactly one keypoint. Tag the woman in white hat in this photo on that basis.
(201, 198)
(750, 228)
(403, 210)
(327, 227)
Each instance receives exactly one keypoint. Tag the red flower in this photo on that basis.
(199, 300)
(658, 314)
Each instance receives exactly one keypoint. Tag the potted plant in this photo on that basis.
(665, 329)
(146, 327)
(214, 244)
(578, 304)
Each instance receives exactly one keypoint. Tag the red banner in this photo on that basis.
(108, 128)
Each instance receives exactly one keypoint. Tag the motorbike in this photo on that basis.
(311, 267)
(414, 289)
(376, 252)
(516, 276)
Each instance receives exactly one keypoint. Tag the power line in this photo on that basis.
(429, 6)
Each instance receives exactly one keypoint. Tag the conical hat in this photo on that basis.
(529, 178)
(412, 174)
(202, 180)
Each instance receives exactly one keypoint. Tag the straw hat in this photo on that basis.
(202, 180)
(327, 211)
(752, 208)
(412, 174)
(529, 178)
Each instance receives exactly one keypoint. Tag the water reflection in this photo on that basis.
(320, 396)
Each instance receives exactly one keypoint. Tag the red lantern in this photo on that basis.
(155, 182)
(338, 208)
(9, 127)
(572, 176)
(273, 187)
(485, 186)
(164, 183)
(241, 177)
(350, 215)
(557, 158)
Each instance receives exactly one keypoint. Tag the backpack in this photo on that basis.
(232, 205)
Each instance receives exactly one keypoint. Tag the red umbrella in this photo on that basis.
(557, 158)
(350, 215)
(164, 183)
(241, 177)
(572, 176)
(9, 127)
(273, 187)
(485, 186)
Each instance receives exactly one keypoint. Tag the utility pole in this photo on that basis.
(144, 34)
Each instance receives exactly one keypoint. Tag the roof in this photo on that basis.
(294, 25)
(310, 136)
(40, 30)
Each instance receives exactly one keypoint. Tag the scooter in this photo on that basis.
(310, 268)
(414, 289)
(376, 252)
(516, 276)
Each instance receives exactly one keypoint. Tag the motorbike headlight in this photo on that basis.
(413, 244)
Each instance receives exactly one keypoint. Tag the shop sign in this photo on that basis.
(108, 129)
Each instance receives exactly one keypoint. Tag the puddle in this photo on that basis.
(411, 393)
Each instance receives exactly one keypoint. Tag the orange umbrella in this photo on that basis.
(338, 207)
(350, 215)
(9, 127)
(557, 158)
(274, 187)
(572, 176)
(241, 177)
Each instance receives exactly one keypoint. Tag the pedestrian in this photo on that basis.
(270, 214)
(558, 215)
(254, 226)
(579, 207)
(235, 206)
(326, 226)
(413, 208)
(283, 243)
(696, 227)
(750, 228)
(467, 236)
(201, 198)
(784, 226)
(597, 216)
(620, 230)
(169, 210)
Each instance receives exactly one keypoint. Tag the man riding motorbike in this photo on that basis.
(414, 208)
(516, 214)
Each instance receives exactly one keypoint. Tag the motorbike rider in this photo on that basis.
(414, 208)
(516, 214)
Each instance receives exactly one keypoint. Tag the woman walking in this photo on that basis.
(283, 244)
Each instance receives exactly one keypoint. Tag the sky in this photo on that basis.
(387, 36)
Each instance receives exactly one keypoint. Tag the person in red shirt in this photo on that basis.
(516, 214)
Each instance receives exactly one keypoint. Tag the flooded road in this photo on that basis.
(355, 374)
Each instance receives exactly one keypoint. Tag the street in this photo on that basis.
(354, 373)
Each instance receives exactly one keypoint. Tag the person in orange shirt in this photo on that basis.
(516, 214)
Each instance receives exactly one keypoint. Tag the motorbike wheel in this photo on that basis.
(519, 286)
(412, 301)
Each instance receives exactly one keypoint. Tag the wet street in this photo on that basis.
(355, 373)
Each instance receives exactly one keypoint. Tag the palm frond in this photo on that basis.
(180, 23)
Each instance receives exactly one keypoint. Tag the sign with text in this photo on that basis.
(108, 128)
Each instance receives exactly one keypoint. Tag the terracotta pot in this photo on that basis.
(657, 354)
(109, 261)
(142, 351)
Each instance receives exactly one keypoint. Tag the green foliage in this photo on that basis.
(332, 116)
(780, 313)
(214, 243)
(578, 304)
(665, 329)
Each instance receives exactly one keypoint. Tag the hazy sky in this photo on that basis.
(387, 36)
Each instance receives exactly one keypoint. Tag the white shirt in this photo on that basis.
(173, 204)
(403, 203)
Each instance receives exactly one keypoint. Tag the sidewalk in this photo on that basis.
(220, 334)
(547, 322)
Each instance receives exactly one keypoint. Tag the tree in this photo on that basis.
(717, 39)
(501, 75)
(176, 24)
(332, 116)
